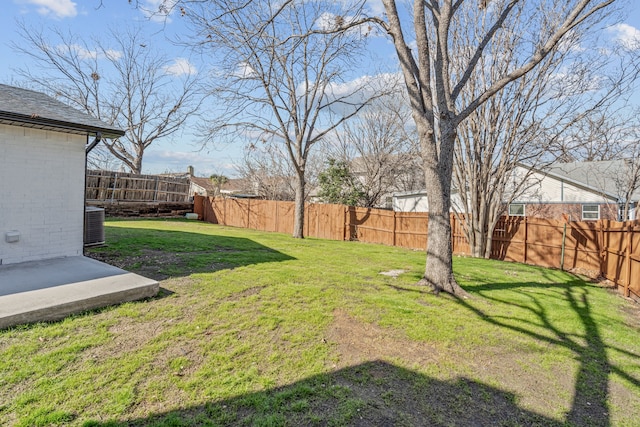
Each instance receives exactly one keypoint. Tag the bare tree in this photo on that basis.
(522, 123)
(435, 86)
(595, 138)
(628, 183)
(626, 135)
(606, 152)
(127, 83)
(280, 75)
(268, 172)
(100, 158)
(381, 150)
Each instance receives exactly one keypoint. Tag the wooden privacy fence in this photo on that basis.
(595, 248)
(118, 186)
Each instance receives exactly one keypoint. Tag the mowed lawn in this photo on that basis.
(260, 329)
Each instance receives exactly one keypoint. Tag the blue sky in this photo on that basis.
(95, 17)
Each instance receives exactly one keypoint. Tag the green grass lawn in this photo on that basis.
(259, 329)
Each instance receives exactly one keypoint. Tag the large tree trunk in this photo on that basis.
(480, 229)
(298, 225)
(137, 165)
(439, 268)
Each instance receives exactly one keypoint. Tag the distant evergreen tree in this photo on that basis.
(338, 185)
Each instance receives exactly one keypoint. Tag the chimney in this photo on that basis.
(190, 170)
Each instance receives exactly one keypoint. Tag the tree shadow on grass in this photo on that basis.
(163, 254)
(591, 390)
(374, 393)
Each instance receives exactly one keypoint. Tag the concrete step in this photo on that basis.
(53, 289)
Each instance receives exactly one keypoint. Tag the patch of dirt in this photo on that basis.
(381, 369)
(631, 313)
(512, 369)
(149, 263)
(358, 342)
(152, 263)
(593, 275)
(393, 273)
(243, 294)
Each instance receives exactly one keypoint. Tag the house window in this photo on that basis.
(590, 212)
(516, 209)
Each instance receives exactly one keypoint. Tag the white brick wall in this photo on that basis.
(41, 193)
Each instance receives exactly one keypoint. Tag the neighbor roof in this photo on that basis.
(232, 186)
(204, 183)
(607, 176)
(23, 107)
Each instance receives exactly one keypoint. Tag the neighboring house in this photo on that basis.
(43, 145)
(416, 201)
(201, 187)
(382, 177)
(580, 191)
(232, 188)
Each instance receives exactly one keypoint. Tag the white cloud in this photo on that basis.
(158, 10)
(79, 50)
(84, 53)
(365, 83)
(181, 67)
(626, 35)
(375, 7)
(245, 71)
(326, 21)
(112, 55)
(344, 97)
(55, 8)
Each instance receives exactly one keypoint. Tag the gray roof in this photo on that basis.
(23, 107)
(609, 176)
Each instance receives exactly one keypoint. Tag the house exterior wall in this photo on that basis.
(418, 202)
(196, 189)
(568, 211)
(41, 193)
(547, 189)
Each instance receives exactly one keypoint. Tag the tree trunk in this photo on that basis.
(136, 167)
(298, 225)
(487, 249)
(439, 268)
(478, 244)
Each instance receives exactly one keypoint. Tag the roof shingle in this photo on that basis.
(29, 108)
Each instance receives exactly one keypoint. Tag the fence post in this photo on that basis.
(628, 258)
(113, 191)
(155, 193)
(224, 207)
(394, 228)
(601, 249)
(564, 239)
(248, 211)
(344, 222)
(524, 244)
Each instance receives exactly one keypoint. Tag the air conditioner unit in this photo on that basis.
(93, 226)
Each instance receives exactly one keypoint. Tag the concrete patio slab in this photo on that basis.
(55, 288)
